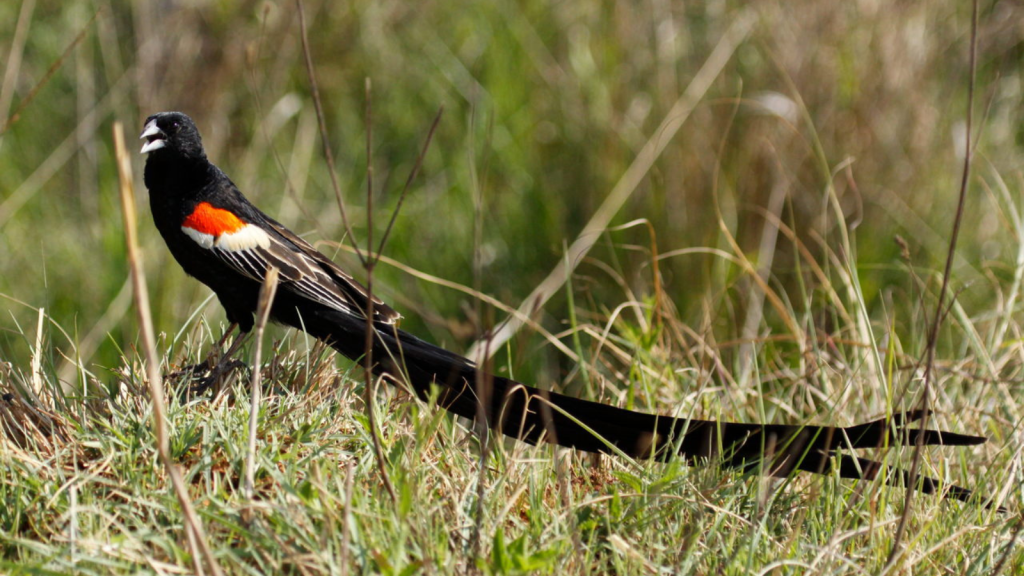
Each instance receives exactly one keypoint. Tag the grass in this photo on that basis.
(782, 292)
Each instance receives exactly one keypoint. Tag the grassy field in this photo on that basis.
(780, 180)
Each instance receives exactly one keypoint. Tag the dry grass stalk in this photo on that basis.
(196, 535)
(262, 315)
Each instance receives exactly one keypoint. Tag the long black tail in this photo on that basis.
(533, 415)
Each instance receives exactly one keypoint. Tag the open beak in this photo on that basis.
(153, 136)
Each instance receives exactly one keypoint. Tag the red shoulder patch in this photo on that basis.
(213, 221)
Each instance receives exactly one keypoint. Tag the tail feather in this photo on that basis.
(533, 415)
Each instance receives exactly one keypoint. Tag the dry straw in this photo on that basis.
(194, 528)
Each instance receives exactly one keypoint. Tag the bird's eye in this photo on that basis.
(176, 125)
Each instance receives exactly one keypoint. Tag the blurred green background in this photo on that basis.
(546, 105)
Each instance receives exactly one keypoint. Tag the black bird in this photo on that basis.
(220, 238)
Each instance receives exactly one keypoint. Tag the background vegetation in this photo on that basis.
(825, 158)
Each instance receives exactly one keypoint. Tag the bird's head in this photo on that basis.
(172, 133)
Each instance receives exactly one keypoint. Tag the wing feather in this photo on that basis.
(302, 269)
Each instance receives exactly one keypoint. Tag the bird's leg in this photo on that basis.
(223, 339)
(207, 364)
(209, 374)
(226, 364)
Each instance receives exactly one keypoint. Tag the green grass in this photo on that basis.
(546, 105)
(92, 498)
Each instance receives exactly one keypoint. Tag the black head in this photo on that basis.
(172, 133)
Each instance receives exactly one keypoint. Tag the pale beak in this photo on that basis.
(153, 136)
